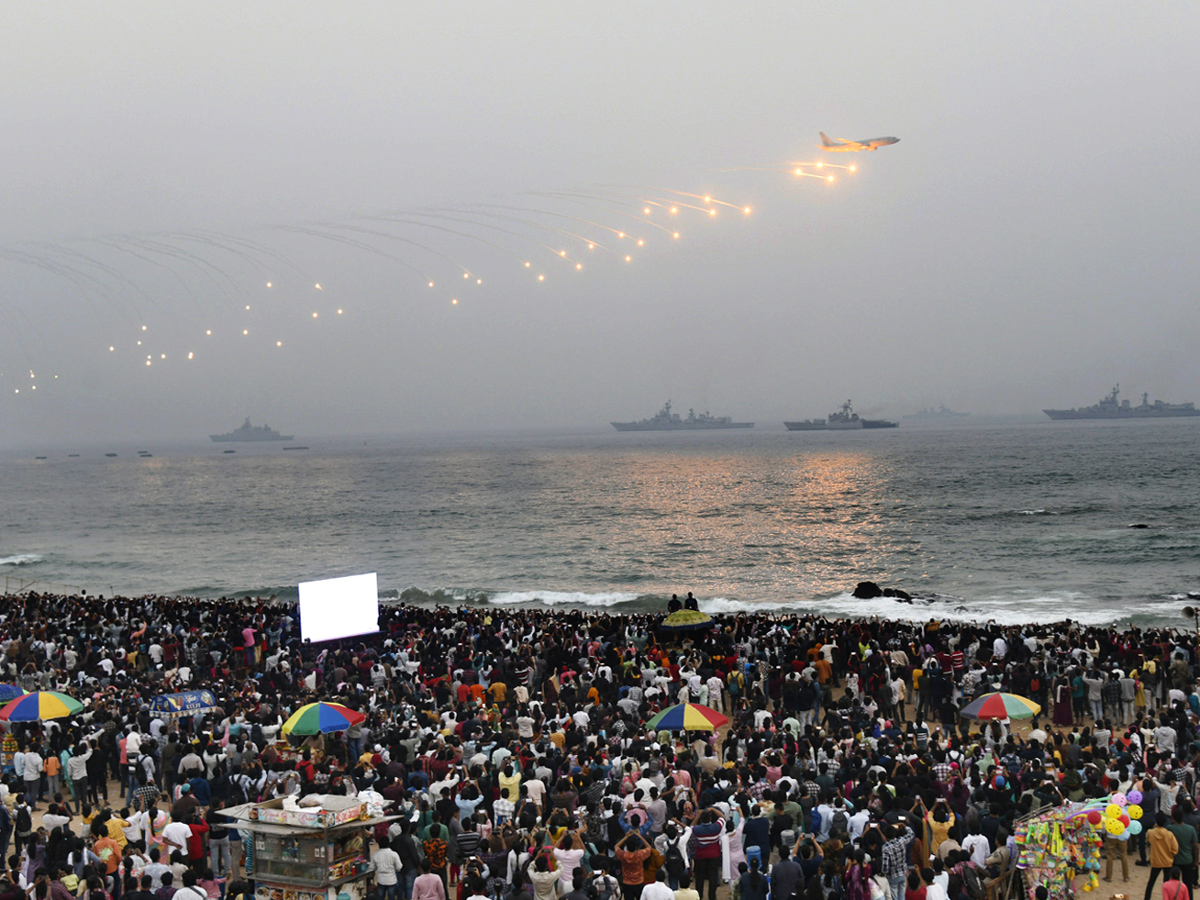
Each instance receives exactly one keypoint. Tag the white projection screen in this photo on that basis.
(339, 607)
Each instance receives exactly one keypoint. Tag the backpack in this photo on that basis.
(735, 683)
(24, 821)
(841, 822)
(527, 817)
(673, 860)
(971, 881)
(833, 891)
(1035, 684)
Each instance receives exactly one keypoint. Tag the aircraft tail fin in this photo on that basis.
(826, 141)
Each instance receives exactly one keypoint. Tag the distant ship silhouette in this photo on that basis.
(250, 432)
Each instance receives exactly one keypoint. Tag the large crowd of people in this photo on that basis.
(514, 748)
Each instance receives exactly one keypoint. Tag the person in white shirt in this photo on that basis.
(31, 772)
(176, 836)
(858, 823)
(387, 872)
(978, 847)
(189, 891)
(659, 889)
(933, 890)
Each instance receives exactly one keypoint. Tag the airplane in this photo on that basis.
(841, 146)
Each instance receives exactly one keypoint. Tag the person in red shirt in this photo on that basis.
(195, 844)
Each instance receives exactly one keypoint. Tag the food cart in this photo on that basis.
(311, 852)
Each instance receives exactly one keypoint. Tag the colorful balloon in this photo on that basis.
(1112, 811)
(1135, 827)
(1118, 798)
(1094, 817)
(1134, 797)
(1134, 811)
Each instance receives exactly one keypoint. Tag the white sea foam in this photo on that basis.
(20, 559)
(1003, 611)
(564, 598)
(725, 606)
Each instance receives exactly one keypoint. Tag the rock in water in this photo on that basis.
(867, 590)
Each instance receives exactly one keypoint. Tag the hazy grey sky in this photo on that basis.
(1029, 241)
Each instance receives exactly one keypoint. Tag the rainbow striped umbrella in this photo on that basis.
(40, 705)
(687, 717)
(321, 718)
(999, 705)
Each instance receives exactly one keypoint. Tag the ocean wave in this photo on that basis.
(1007, 609)
(20, 559)
(279, 592)
(565, 598)
(1004, 611)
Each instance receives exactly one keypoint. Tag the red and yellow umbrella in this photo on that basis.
(40, 705)
(998, 705)
(687, 717)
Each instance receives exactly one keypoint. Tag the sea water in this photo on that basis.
(1016, 522)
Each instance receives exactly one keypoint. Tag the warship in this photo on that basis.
(846, 419)
(250, 432)
(665, 420)
(1111, 408)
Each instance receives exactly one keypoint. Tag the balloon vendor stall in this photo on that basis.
(1058, 844)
